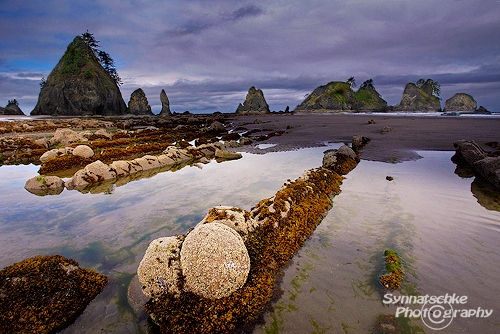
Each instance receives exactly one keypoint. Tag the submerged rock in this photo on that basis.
(470, 154)
(214, 260)
(45, 294)
(227, 155)
(489, 168)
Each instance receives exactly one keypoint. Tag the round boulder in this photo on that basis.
(45, 185)
(214, 261)
(160, 267)
(83, 151)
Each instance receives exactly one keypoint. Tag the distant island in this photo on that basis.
(85, 83)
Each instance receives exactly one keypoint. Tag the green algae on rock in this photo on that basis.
(394, 273)
(45, 294)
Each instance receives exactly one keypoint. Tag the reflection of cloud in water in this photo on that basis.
(164, 204)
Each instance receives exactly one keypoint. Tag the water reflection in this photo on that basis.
(428, 215)
(110, 231)
(448, 242)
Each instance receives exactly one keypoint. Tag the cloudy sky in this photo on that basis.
(206, 54)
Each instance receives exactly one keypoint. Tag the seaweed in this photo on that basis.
(394, 273)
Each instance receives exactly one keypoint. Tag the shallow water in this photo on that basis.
(448, 242)
(109, 232)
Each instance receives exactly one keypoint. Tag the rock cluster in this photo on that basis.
(255, 103)
(138, 103)
(45, 294)
(460, 102)
(214, 263)
(272, 232)
(78, 85)
(211, 261)
(471, 153)
(98, 171)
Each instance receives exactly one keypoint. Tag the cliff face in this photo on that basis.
(339, 96)
(79, 85)
(418, 99)
(461, 102)
(255, 103)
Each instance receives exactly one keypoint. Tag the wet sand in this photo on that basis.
(409, 133)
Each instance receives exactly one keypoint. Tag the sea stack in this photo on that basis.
(338, 96)
(79, 86)
(12, 108)
(460, 102)
(419, 99)
(165, 104)
(138, 104)
(255, 103)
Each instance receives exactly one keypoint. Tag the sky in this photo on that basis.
(206, 54)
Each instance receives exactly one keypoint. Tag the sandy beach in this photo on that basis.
(407, 133)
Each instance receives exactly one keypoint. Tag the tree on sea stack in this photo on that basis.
(83, 83)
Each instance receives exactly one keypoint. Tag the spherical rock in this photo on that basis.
(160, 267)
(83, 151)
(214, 261)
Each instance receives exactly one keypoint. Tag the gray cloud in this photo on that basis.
(206, 54)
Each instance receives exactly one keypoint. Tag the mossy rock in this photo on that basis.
(394, 273)
(45, 294)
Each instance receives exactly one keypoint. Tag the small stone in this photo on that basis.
(389, 178)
